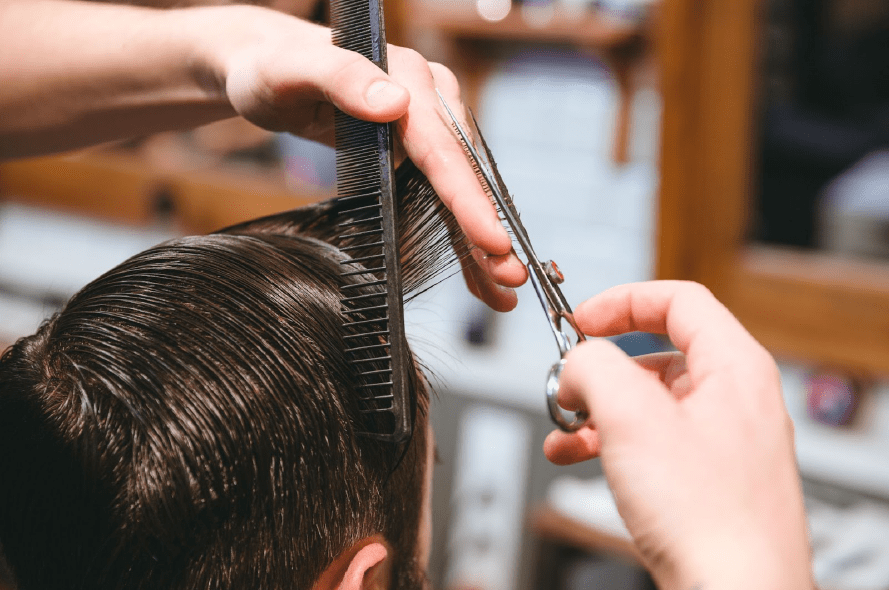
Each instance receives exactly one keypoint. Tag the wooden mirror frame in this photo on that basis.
(817, 308)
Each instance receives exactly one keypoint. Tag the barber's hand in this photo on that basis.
(697, 446)
(284, 74)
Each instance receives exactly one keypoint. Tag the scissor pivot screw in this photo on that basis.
(553, 272)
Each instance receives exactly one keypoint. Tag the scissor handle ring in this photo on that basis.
(552, 401)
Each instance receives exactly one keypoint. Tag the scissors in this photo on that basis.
(545, 276)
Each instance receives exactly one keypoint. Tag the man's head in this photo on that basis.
(189, 421)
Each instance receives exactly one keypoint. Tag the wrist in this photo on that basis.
(739, 565)
(131, 71)
(225, 39)
(201, 33)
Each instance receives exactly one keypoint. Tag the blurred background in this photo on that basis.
(740, 143)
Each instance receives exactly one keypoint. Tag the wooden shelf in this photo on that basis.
(460, 20)
(620, 43)
(124, 188)
(548, 523)
(815, 308)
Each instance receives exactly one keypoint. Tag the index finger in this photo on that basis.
(697, 324)
(432, 146)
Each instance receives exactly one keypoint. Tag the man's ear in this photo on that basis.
(369, 569)
(367, 565)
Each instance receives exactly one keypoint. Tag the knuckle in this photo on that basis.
(413, 58)
(789, 427)
(695, 290)
(261, 97)
(433, 157)
(765, 386)
(770, 367)
(444, 78)
(762, 363)
(406, 55)
(595, 347)
(350, 66)
(425, 159)
(413, 67)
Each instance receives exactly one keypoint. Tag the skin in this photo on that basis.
(697, 445)
(367, 565)
(78, 73)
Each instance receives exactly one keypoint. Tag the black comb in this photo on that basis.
(372, 303)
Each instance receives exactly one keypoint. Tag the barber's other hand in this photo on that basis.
(697, 446)
(284, 74)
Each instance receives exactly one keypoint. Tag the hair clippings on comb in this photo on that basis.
(545, 276)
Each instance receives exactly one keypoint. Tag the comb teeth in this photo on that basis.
(372, 291)
(371, 338)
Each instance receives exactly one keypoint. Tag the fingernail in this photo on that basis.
(382, 93)
(505, 290)
(508, 259)
(478, 254)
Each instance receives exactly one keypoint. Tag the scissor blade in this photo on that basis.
(492, 167)
(498, 189)
(487, 175)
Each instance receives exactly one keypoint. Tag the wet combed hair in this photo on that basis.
(188, 421)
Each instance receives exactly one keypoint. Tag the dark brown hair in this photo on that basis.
(189, 421)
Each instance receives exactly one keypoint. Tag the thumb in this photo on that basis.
(268, 90)
(361, 89)
(620, 396)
